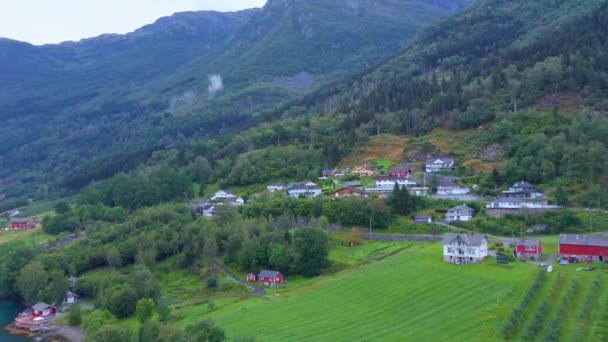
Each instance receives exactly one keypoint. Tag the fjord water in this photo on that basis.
(8, 311)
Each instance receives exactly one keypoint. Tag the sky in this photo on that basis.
(54, 21)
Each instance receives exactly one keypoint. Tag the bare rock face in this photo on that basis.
(492, 152)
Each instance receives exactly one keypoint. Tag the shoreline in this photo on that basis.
(64, 333)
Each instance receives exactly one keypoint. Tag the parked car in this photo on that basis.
(563, 261)
(573, 260)
(542, 264)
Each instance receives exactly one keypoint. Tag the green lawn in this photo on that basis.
(31, 235)
(403, 293)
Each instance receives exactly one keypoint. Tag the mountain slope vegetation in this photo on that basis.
(114, 96)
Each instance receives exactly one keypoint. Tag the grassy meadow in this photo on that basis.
(393, 291)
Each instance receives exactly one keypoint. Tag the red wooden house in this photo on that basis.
(43, 310)
(23, 224)
(529, 248)
(251, 277)
(584, 247)
(270, 278)
(349, 192)
(401, 171)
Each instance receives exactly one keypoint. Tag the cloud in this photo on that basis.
(215, 85)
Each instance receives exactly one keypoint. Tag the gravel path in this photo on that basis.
(68, 333)
(256, 289)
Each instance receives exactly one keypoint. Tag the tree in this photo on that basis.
(163, 310)
(169, 334)
(144, 309)
(58, 287)
(561, 195)
(204, 331)
(149, 330)
(96, 319)
(62, 207)
(143, 281)
(201, 171)
(32, 279)
(121, 301)
(113, 257)
(279, 258)
(110, 333)
(74, 314)
(311, 250)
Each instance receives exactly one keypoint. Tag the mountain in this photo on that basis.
(117, 95)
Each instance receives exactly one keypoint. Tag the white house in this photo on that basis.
(447, 186)
(309, 190)
(523, 189)
(464, 248)
(389, 182)
(223, 195)
(516, 203)
(423, 219)
(459, 213)
(439, 164)
(276, 187)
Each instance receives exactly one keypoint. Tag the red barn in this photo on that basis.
(270, 278)
(529, 248)
(585, 247)
(23, 224)
(251, 277)
(43, 310)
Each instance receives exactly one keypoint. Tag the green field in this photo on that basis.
(399, 293)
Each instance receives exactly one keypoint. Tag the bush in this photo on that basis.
(212, 283)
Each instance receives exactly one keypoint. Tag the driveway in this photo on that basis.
(259, 291)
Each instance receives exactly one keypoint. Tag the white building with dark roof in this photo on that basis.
(459, 213)
(439, 164)
(464, 248)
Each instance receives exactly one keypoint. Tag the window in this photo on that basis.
(471, 251)
(450, 250)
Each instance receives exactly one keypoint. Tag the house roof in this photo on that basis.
(391, 178)
(305, 186)
(20, 220)
(514, 200)
(41, 306)
(277, 184)
(461, 208)
(443, 160)
(329, 170)
(268, 274)
(584, 240)
(469, 239)
(422, 217)
(400, 169)
(359, 191)
(528, 242)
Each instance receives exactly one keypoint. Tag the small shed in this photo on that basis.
(423, 219)
(251, 277)
(42, 309)
(270, 278)
(70, 297)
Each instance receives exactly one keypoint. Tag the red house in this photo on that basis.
(43, 310)
(23, 224)
(400, 172)
(251, 277)
(349, 192)
(584, 247)
(270, 278)
(529, 248)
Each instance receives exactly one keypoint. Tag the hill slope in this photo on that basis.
(116, 95)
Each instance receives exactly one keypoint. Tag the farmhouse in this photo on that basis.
(349, 192)
(529, 248)
(362, 171)
(36, 317)
(276, 187)
(464, 248)
(328, 172)
(270, 278)
(227, 197)
(388, 182)
(585, 247)
(439, 164)
(423, 219)
(24, 224)
(309, 190)
(400, 171)
(459, 213)
(447, 186)
(523, 190)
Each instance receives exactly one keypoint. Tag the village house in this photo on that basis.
(517, 203)
(20, 223)
(389, 182)
(308, 190)
(70, 298)
(207, 210)
(328, 172)
(529, 248)
(36, 317)
(362, 171)
(464, 248)
(400, 171)
(349, 192)
(459, 213)
(523, 190)
(439, 164)
(270, 278)
(276, 187)
(227, 197)
(447, 186)
(584, 247)
(423, 219)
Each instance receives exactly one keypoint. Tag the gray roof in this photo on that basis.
(443, 160)
(528, 242)
(268, 274)
(422, 217)
(461, 208)
(469, 239)
(507, 200)
(41, 306)
(584, 240)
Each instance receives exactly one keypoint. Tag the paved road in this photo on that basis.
(256, 289)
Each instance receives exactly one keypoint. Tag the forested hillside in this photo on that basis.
(106, 99)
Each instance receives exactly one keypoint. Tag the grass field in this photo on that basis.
(32, 235)
(406, 293)
(384, 148)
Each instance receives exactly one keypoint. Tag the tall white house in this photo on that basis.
(459, 213)
(464, 248)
